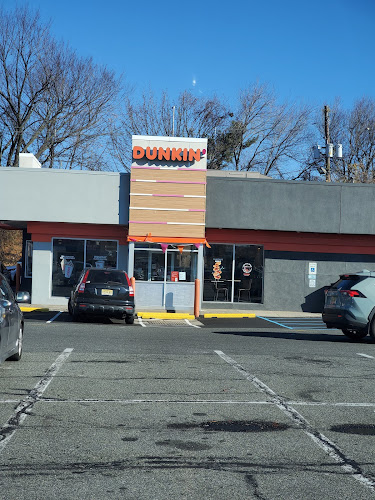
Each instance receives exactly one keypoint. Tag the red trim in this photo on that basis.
(45, 231)
(9, 228)
(289, 241)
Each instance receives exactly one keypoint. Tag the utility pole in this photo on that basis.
(327, 138)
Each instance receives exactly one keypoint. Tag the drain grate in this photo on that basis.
(165, 322)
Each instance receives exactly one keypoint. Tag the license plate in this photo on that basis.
(107, 292)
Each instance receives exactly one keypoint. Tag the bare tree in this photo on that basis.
(52, 102)
(265, 136)
(188, 116)
(355, 130)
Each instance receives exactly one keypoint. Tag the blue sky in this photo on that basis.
(308, 51)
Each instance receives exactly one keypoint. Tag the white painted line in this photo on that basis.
(365, 355)
(191, 324)
(196, 401)
(322, 403)
(141, 322)
(26, 405)
(328, 446)
(153, 401)
(56, 316)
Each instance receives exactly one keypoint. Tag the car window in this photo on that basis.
(346, 283)
(106, 276)
(5, 290)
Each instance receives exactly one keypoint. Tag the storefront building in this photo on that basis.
(252, 241)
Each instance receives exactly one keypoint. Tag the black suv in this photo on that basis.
(103, 292)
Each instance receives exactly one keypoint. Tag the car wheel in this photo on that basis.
(355, 334)
(372, 330)
(129, 320)
(17, 356)
(75, 315)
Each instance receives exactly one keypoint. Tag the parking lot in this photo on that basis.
(259, 408)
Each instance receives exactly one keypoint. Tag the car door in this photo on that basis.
(10, 314)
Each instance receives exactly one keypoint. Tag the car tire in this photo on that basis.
(372, 329)
(129, 319)
(355, 334)
(75, 315)
(17, 356)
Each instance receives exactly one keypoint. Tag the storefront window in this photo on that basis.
(68, 262)
(150, 260)
(248, 273)
(28, 259)
(101, 253)
(218, 261)
(233, 273)
(71, 256)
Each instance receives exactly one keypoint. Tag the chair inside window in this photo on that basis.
(221, 291)
(245, 291)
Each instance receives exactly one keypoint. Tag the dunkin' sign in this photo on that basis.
(168, 154)
(168, 187)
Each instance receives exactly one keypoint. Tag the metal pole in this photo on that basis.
(326, 128)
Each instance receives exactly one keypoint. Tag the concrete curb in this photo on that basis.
(229, 315)
(33, 309)
(159, 315)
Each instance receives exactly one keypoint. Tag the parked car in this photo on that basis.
(11, 322)
(103, 292)
(350, 304)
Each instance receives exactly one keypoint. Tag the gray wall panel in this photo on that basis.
(275, 205)
(50, 195)
(357, 208)
(286, 283)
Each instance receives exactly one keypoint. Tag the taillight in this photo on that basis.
(131, 289)
(81, 287)
(352, 293)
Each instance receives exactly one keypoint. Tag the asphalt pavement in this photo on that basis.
(228, 408)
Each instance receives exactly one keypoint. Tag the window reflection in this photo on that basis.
(149, 263)
(69, 260)
(247, 281)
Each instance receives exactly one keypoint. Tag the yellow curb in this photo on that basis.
(229, 315)
(30, 309)
(156, 315)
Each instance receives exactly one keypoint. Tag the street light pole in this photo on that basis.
(173, 108)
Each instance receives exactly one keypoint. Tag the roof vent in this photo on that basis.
(28, 160)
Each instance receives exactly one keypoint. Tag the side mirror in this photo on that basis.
(23, 298)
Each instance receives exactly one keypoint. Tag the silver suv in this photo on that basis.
(350, 305)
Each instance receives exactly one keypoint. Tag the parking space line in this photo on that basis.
(141, 322)
(191, 324)
(276, 323)
(26, 405)
(365, 355)
(328, 446)
(56, 316)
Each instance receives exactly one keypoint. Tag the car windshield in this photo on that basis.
(96, 276)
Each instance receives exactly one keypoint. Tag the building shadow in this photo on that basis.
(291, 335)
(314, 302)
